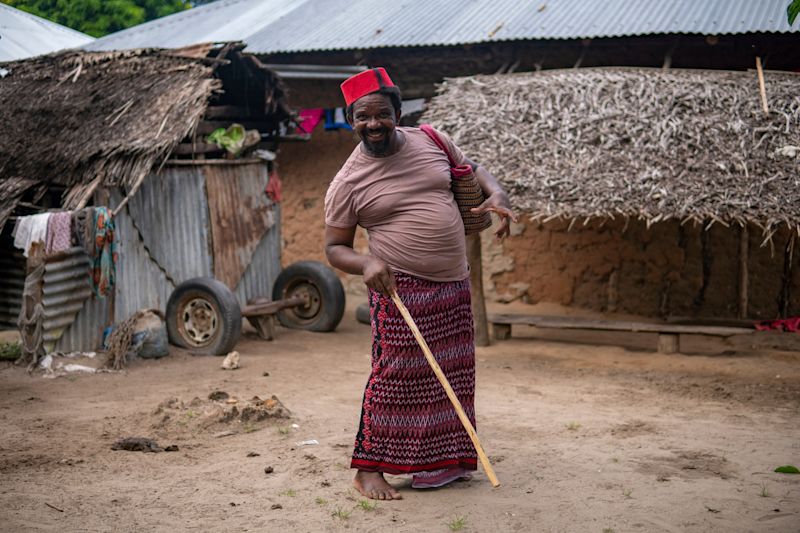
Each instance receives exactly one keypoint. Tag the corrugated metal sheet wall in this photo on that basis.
(12, 281)
(163, 236)
(73, 320)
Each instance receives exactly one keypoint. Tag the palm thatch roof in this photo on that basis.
(648, 144)
(77, 120)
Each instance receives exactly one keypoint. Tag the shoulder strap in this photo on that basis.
(430, 132)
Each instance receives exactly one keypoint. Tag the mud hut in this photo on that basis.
(655, 192)
(127, 130)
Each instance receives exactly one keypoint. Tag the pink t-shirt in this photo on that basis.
(405, 203)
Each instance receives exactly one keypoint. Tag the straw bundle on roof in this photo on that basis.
(71, 118)
(639, 143)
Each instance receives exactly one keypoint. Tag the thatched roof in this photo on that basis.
(78, 116)
(639, 143)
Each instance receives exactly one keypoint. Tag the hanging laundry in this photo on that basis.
(104, 262)
(29, 230)
(308, 119)
(274, 187)
(335, 119)
(59, 232)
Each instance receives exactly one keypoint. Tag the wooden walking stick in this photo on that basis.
(487, 466)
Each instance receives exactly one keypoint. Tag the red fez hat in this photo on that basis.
(364, 83)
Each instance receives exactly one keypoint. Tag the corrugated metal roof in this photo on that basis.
(24, 35)
(272, 26)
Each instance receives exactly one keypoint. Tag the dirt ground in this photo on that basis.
(583, 438)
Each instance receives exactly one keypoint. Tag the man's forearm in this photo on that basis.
(345, 258)
(486, 180)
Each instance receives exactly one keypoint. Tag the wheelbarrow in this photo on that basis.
(204, 316)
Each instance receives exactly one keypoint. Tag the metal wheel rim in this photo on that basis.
(198, 321)
(305, 313)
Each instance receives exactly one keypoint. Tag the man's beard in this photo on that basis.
(379, 148)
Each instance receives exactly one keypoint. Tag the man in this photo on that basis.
(396, 185)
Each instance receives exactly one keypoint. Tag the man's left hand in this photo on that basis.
(498, 203)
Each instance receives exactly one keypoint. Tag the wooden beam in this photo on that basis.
(761, 87)
(207, 126)
(744, 252)
(228, 111)
(476, 283)
(571, 322)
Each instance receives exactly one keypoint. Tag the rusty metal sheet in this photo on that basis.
(265, 265)
(240, 213)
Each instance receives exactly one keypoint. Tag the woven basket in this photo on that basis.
(468, 194)
(466, 189)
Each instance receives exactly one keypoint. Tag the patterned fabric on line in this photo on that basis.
(407, 422)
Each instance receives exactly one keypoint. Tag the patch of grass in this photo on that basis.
(321, 501)
(608, 530)
(283, 431)
(615, 459)
(572, 426)
(248, 428)
(367, 505)
(290, 492)
(10, 350)
(190, 414)
(627, 493)
(341, 514)
(764, 492)
(457, 523)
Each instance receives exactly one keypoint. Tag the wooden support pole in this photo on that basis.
(668, 343)
(476, 281)
(744, 248)
(762, 89)
(487, 466)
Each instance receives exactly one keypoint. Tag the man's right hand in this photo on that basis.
(378, 276)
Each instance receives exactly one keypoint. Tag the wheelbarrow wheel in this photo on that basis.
(203, 316)
(322, 289)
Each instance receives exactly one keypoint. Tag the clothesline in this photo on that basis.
(91, 228)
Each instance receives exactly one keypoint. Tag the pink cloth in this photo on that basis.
(786, 324)
(309, 118)
(59, 232)
(405, 203)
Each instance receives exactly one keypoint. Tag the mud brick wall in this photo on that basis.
(653, 272)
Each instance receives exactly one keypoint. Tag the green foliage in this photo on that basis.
(100, 17)
(10, 350)
(792, 11)
(788, 469)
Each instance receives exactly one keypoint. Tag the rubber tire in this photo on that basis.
(220, 297)
(328, 287)
(362, 313)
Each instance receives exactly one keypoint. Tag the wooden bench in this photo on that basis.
(668, 334)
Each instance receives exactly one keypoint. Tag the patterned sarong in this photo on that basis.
(407, 422)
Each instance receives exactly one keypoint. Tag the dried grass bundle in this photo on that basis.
(650, 144)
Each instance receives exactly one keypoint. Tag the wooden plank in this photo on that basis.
(207, 126)
(196, 148)
(556, 322)
(228, 111)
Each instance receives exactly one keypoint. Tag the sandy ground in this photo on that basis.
(583, 438)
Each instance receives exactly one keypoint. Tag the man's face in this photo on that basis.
(374, 121)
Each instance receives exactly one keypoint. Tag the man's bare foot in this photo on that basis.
(372, 485)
